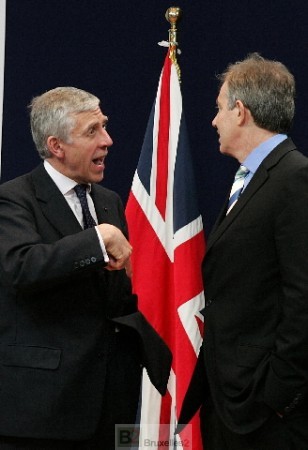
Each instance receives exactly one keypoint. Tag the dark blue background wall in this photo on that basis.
(109, 47)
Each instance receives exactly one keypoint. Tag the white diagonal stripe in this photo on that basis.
(2, 53)
(237, 186)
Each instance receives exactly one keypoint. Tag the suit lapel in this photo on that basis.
(53, 203)
(102, 205)
(261, 176)
(255, 184)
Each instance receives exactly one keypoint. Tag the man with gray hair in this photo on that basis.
(72, 340)
(253, 366)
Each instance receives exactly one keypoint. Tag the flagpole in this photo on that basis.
(166, 231)
(173, 16)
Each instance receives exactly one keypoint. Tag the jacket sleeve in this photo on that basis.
(28, 260)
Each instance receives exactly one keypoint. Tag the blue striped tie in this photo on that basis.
(81, 191)
(237, 186)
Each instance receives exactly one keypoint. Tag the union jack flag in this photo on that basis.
(166, 233)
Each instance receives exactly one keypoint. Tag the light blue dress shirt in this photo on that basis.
(255, 158)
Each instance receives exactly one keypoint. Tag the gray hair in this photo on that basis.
(54, 114)
(266, 88)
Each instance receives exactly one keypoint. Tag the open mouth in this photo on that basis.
(98, 161)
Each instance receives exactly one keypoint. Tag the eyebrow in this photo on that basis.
(97, 123)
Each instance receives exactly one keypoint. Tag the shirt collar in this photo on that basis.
(255, 158)
(64, 183)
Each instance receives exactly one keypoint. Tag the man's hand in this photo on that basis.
(117, 246)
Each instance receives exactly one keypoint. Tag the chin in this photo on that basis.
(98, 179)
(223, 150)
(226, 153)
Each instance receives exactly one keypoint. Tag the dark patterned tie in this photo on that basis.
(81, 191)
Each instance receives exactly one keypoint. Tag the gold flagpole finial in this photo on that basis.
(173, 15)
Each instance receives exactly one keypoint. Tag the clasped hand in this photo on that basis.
(117, 246)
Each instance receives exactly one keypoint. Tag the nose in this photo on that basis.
(214, 122)
(106, 139)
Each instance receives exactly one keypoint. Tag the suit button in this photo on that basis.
(287, 409)
(208, 303)
(93, 259)
(82, 263)
(87, 261)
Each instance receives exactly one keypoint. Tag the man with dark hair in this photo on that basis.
(253, 365)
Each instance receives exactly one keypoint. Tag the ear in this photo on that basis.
(55, 147)
(243, 113)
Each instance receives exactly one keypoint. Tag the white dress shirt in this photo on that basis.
(66, 187)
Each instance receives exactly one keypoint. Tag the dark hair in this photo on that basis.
(266, 88)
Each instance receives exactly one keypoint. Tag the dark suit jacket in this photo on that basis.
(255, 352)
(57, 305)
